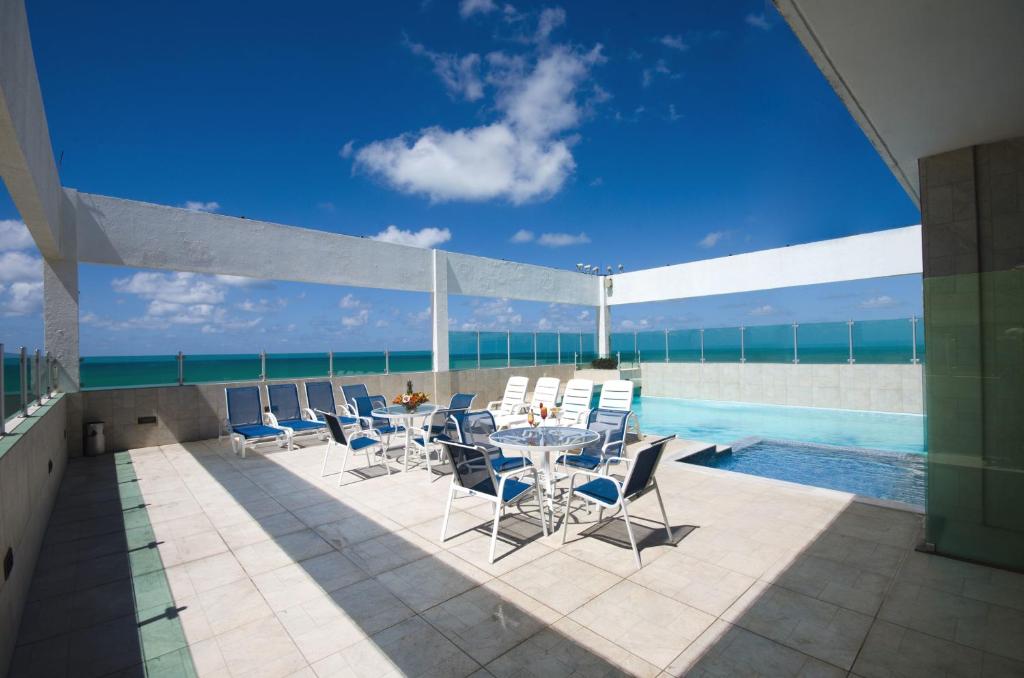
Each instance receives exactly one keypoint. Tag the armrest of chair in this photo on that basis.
(510, 474)
(270, 420)
(493, 404)
(309, 415)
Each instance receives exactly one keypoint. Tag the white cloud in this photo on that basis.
(460, 75)
(522, 236)
(520, 157)
(22, 298)
(883, 301)
(177, 288)
(583, 315)
(381, 323)
(562, 239)
(262, 305)
(673, 114)
(544, 325)
(426, 238)
(237, 281)
(550, 19)
(20, 266)
(759, 21)
(357, 320)
(674, 42)
(470, 7)
(14, 235)
(598, 181)
(199, 206)
(349, 301)
(711, 239)
(635, 325)
(767, 309)
(346, 150)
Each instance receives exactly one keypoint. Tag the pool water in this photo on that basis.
(885, 475)
(725, 423)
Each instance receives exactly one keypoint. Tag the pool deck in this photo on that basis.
(186, 560)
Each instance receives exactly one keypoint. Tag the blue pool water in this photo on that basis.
(885, 475)
(725, 423)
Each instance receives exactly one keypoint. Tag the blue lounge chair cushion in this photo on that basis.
(513, 488)
(505, 463)
(601, 489)
(256, 431)
(360, 443)
(387, 430)
(587, 461)
(303, 425)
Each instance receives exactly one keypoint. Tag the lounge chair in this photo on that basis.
(245, 424)
(575, 406)
(353, 441)
(349, 393)
(285, 412)
(320, 399)
(514, 399)
(474, 475)
(617, 394)
(609, 492)
(475, 429)
(611, 424)
(384, 428)
(544, 393)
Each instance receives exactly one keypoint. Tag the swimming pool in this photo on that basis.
(725, 423)
(885, 475)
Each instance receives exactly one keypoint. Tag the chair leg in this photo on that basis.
(657, 493)
(494, 531)
(344, 464)
(629, 531)
(384, 460)
(565, 514)
(447, 512)
(540, 507)
(327, 453)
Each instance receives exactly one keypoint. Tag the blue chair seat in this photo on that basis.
(601, 489)
(506, 463)
(513, 488)
(303, 424)
(360, 443)
(256, 431)
(388, 429)
(587, 461)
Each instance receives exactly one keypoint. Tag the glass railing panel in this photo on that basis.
(823, 343)
(621, 344)
(768, 344)
(462, 350)
(883, 341)
(129, 371)
(589, 351)
(493, 349)
(411, 361)
(297, 365)
(683, 347)
(360, 362)
(920, 340)
(547, 348)
(570, 347)
(207, 368)
(522, 348)
(651, 346)
(11, 386)
(722, 345)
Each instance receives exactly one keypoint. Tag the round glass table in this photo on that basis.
(400, 415)
(544, 439)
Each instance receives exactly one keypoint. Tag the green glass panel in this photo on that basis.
(882, 341)
(920, 340)
(461, 350)
(547, 348)
(365, 362)
(589, 351)
(297, 365)
(522, 348)
(651, 346)
(11, 385)
(823, 343)
(201, 369)
(722, 345)
(570, 347)
(768, 344)
(683, 346)
(125, 371)
(411, 361)
(493, 349)
(621, 344)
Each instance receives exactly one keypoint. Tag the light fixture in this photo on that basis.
(579, 267)
(609, 270)
(586, 268)
(620, 268)
(597, 269)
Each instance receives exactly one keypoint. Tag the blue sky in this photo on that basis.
(604, 132)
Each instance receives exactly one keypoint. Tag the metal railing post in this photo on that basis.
(558, 341)
(636, 350)
(508, 348)
(743, 349)
(575, 360)
(3, 394)
(534, 349)
(581, 348)
(478, 350)
(666, 345)
(618, 358)
(702, 344)
(181, 368)
(796, 344)
(23, 378)
(330, 363)
(849, 336)
(39, 380)
(913, 340)
(263, 365)
(49, 374)
(387, 361)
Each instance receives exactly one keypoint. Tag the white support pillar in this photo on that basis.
(60, 319)
(439, 310)
(604, 319)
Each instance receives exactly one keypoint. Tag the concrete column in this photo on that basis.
(972, 214)
(60, 319)
(604, 319)
(439, 310)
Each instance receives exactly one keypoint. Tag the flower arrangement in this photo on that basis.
(411, 399)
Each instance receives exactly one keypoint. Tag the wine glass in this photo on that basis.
(543, 413)
(531, 420)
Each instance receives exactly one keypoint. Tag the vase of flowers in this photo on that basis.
(411, 399)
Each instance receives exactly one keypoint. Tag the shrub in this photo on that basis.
(604, 363)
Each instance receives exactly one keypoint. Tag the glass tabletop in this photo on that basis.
(403, 411)
(550, 437)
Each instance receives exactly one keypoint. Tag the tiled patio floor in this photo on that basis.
(265, 569)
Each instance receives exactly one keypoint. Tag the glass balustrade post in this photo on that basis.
(387, 361)
(913, 340)
(46, 374)
(796, 353)
(478, 350)
(558, 343)
(743, 352)
(508, 348)
(330, 363)
(636, 350)
(181, 368)
(666, 345)
(3, 394)
(702, 344)
(534, 349)
(38, 377)
(23, 375)
(849, 339)
(263, 365)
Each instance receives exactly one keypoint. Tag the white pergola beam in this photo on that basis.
(859, 257)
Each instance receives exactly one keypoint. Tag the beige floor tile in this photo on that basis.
(390, 551)
(202, 575)
(510, 551)
(643, 621)
(937, 613)
(261, 649)
(228, 607)
(432, 580)
(193, 547)
(252, 531)
(560, 581)
(839, 583)
(355, 529)
(487, 621)
(705, 586)
(280, 551)
(327, 511)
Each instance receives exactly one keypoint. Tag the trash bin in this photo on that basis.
(95, 443)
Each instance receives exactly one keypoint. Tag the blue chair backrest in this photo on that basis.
(353, 391)
(475, 428)
(365, 405)
(320, 396)
(334, 426)
(284, 401)
(471, 467)
(244, 405)
(461, 401)
(611, 424)
(642, 469)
